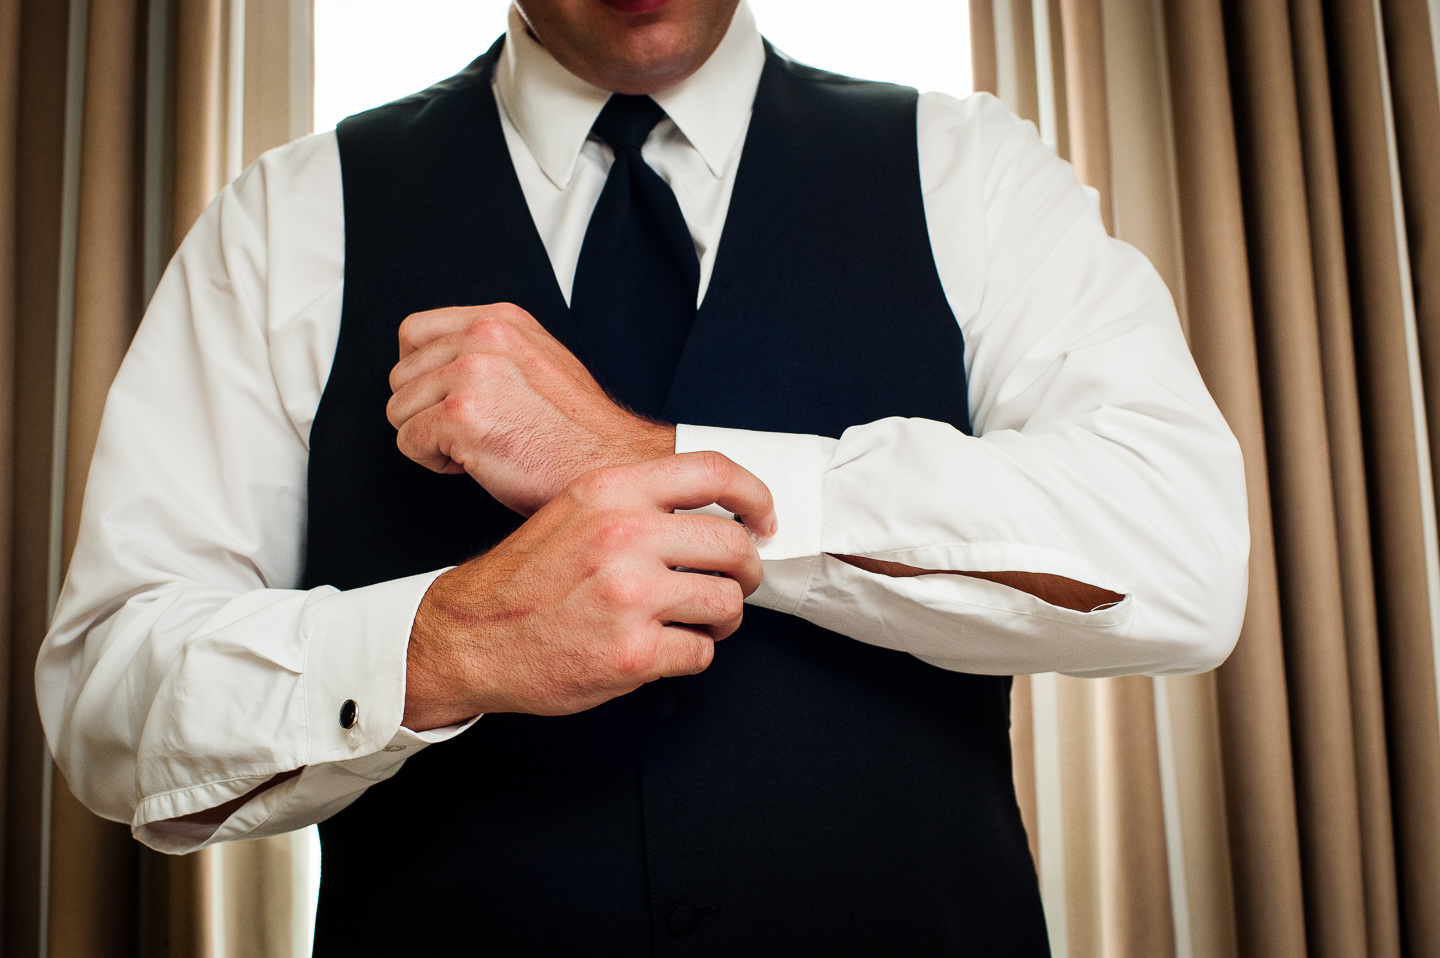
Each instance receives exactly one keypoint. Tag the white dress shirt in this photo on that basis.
(185, 667)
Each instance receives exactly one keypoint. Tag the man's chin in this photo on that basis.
(629, 46)
(635, 6)
(649, 61)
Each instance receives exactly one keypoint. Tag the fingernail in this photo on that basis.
(774, 526)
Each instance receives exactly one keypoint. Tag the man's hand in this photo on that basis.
(487, 391)
(582, 603)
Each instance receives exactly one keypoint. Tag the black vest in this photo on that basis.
(808, 794)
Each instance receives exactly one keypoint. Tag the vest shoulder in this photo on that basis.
(407, 110)
(838, 86)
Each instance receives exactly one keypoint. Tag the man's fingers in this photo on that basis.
(712, 603)
(420, 438)
(432, 356)
(416, 397)
(418, 329)
(693, 480)
(709, 544)
(684, 651)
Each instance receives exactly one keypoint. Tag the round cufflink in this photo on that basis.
(349, 712)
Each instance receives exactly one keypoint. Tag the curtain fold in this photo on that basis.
(1392, 409)
(1409, 46)
(1307, 547)
(199, 110)
(93, 862)
(1254, 721)
(1074, 714)
(1135, 907)
(9, 154)
(1347, 463)
(1137, 913)
(34, 150)
(1279, 162)
(1081, 25)
(76, 191)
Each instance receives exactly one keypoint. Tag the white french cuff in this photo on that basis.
(790, 465)
(318, 792)
(355, 670)
(381, 764)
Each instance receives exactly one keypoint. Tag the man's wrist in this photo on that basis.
(658, 439)
(436, 680)
(639, 441)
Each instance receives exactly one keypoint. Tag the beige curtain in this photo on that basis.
(119, 120)
(33, 63)
(1278, 162)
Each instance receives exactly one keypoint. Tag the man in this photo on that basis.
(303, 561)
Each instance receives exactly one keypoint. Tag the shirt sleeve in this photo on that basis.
(184, 666)
(1097, 454)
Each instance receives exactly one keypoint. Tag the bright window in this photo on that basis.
(368, 52)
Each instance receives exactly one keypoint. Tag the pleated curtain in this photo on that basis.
(119, 121)
(1280, 164)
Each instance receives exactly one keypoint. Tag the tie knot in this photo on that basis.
(627, 120)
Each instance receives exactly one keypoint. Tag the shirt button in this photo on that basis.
(665, 703)
(683, 919)
(349, 712)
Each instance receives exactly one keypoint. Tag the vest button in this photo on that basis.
(683, 919)
(665, 703)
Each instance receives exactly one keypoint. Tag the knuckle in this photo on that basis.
(716, 465)
(737, 542)
(623, 591)
(459, 406)
(586, 487)
(493, 331)
(581, 493)
(476, 365)
(406, 442)
(704, 655)
(599, 484)
(409, 329)
(510, 313)
(615, 533)
(635, 657)
(725, 601)
(734, 599)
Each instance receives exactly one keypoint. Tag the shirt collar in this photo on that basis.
(553, 110)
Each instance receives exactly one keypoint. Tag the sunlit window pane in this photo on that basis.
(920, 43)
(368, 52)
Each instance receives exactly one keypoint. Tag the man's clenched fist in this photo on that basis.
(487, 391)
(584, 602)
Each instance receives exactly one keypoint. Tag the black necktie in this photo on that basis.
(638, 275)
